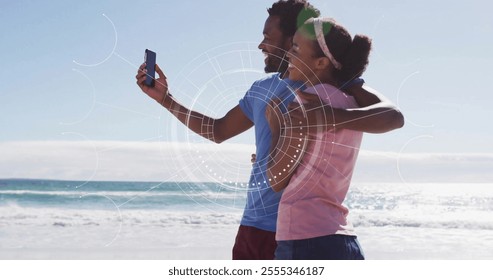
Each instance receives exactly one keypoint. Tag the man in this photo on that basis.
(256, 234)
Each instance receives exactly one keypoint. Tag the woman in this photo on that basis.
(314, 165)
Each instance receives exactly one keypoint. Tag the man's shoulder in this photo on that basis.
(268, 79)
(270, 83)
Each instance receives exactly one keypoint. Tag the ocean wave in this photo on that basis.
(421, 224)
(433, 221)
(445, 206)
(57, 217)
(148, 193)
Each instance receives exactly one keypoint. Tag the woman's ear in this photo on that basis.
(322, 62)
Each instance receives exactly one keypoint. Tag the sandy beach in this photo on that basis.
(214, 242)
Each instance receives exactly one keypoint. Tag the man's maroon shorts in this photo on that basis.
(254, 244)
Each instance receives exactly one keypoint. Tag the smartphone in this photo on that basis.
(150, 60)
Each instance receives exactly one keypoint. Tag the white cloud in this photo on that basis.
(424, 167)
(164, 161)
(125, 161)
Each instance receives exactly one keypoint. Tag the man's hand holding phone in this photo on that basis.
(157, 89)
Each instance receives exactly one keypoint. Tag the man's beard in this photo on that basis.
(275, 63)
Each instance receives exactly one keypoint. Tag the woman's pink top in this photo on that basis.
(312, 203)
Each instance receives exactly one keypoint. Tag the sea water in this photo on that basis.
(179, 220)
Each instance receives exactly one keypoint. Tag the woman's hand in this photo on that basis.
(274, 116)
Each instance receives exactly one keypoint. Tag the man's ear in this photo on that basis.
(288, 43)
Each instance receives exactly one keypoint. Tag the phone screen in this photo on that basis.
(150, 60)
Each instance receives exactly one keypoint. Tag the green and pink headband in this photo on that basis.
(319, 33)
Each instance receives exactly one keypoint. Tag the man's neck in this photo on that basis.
(284, 74)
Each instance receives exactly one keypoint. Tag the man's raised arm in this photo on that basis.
(216, 130)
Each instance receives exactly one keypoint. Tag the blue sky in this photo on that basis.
(68, 68)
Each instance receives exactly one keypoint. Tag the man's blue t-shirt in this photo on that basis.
(262, 202)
